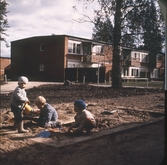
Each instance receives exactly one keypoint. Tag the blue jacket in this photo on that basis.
(48, 113)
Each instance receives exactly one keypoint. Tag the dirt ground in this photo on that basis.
(111, 108)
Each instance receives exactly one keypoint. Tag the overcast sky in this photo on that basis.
(28, 18)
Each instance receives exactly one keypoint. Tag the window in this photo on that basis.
(41, 67)
(74, 47)
(144, 58)
(42, 47)
(155, 73)
(135, 55)
(86, 50)
(98, 49)
(78, 48)
(126, 72)
(159, 58)
(70, 47)
(134, 72)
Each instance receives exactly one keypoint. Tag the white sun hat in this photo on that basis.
(23, 80)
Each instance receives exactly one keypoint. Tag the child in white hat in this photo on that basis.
(18, 99)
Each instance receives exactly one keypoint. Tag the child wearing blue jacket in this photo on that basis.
(48, 114)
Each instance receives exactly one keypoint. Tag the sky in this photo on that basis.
(29, 18)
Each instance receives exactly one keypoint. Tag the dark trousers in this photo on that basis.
(17, 113)
(89, 125)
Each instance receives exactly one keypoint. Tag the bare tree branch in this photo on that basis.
(82, 20)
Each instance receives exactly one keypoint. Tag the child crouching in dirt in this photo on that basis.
(48, 115)
(84, 119)
(18, 99)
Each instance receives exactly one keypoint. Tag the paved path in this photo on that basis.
(11, 85)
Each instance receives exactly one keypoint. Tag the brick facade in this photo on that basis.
(4, 62)
(48, 58)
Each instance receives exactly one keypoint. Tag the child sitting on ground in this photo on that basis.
(84, 120)
(48, 114)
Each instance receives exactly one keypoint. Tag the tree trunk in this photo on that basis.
(116, 66)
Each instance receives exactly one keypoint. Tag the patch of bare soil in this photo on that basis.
(111, 108)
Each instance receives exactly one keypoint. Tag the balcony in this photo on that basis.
(135, 62)
(159, 64)
(93, 58)
(131, 62)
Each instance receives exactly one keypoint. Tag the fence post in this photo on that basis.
(77, 75)
(5, 78)
(83, 79)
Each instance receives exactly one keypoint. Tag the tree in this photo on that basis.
(103, 30)
(116, 66)
(3, 19)
(145, 26)
(109, 9)
(127, 27)
(153, 36)
(118, 10)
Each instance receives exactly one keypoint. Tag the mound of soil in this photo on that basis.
(110, 107)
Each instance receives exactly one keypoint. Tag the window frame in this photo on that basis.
(41, 67)
(42, 47)
(74, 47)
(134, 72)
(144, 58)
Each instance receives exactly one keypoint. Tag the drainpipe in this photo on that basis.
(163, 8)
(165, 159)
(98, 74)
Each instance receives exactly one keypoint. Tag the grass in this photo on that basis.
(153, 84)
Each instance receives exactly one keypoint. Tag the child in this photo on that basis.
(18, 99)
(47, 113)
(83, 119)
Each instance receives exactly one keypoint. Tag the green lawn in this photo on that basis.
(131, 83)
(156, 84)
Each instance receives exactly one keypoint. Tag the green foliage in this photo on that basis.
(3, 19)
(138, 19)
(131, 23)
(103, 30)
(153, 35)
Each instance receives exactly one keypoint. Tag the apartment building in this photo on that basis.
(135, 63)
(62, 57)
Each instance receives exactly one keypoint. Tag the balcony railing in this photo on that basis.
(93, 58)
